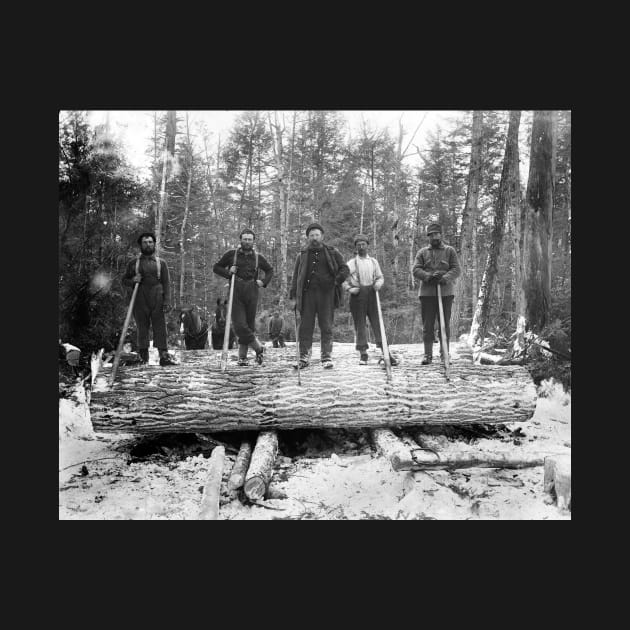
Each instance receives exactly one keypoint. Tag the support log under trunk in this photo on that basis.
(239, 470)
(209, 510)
(393, 449)
(198, 397)
(261, 467)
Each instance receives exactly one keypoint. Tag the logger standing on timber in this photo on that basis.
(246, 287)
(316, 290)
(365, 279)
(435, 264)
(153, 298)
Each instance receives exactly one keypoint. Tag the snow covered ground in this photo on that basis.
(100, 479)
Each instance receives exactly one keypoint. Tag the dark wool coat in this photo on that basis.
(336, 267)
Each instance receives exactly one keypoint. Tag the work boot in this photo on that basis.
(259, 355)
(393, 360)
(428, 353)
(327, 364)
(303, 363)
(144, 355)
(242, 362)
(363, 360)
(166, 359)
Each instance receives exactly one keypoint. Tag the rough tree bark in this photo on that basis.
(198, 397)
(209, 510)
(167, 158)
(261, 466)
(508, 198)
(182, 233)
(388, 445)
(539, 210)
(239, 470)
(468, 217)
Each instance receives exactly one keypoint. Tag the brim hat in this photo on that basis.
(361, 237)
(314, 226)
(434, 227)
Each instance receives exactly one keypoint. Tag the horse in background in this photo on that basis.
(195, 330)
(218, 327)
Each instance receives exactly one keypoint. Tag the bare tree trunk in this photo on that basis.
(508, 199)
(182, 234)
(468, 217)
(169, 152)
(539, 210)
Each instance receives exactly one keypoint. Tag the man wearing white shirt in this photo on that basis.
(364, 280)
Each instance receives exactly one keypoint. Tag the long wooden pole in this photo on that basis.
(121, 341)
(228, 320)
(447, 362)
(385, 347)
(297, 344)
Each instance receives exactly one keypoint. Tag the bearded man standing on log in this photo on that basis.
(436, 264)
(365, 279)
(153, 298)
(316, 290)
(245, 302)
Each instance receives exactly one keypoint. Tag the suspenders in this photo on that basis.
(157, 260)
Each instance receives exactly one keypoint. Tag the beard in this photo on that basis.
(435, 242)
(147, 250)
(362, 251)
(247, 246)
(315, 244)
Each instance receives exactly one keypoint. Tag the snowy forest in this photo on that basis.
(499, 183)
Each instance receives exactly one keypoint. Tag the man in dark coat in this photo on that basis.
(244, 263)
(435, 264)
(276, 326)
(316, 290)
(152, 300)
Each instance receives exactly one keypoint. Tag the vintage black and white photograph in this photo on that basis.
(314, 314)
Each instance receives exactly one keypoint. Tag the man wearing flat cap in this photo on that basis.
(316, 290)
(365, 279)
(435, 264)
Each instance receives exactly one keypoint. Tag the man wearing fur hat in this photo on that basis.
(435, 264)
(364, 281)
(152, 300)
(316, 290)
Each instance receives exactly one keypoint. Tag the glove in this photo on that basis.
(353, 290)
(137, 278)
(434, 278)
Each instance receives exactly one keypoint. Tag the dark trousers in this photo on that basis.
(244, 307)
(147, 311)
(363, 305)
(430, 312)
(278, 340)
(321, 303)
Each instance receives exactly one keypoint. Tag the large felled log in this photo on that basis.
(261, 466)
(198, 397)
(388, 445)
(239, 470)
(209, 510)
